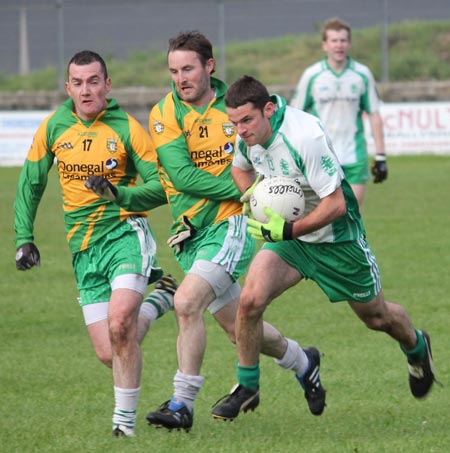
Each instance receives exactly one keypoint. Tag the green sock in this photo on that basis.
(248, 376)
(418, 353)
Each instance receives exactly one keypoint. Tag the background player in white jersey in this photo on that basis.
(338, 90)
(327, 245)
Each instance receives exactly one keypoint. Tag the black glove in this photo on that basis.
(102, 187)
(27, 256)
(167, 283)
(379, 168)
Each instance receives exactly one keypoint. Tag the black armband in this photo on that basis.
(288, 231)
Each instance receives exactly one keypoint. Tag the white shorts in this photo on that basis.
(222, 284)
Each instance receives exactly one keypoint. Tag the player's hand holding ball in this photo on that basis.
(275, 203)
(276, 229)
(27, 256)
(245, 199)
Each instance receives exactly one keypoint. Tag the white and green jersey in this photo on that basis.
(339, 101)
(300, 149)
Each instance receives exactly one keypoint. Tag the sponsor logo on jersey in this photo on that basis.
(87, 134)
(327, 165)
(210, 157)
(82, 171)
(64, 145)
(335, 99)
(158, 127)
(111, 145)
(228, 148)
(228, 129)
(111, 164)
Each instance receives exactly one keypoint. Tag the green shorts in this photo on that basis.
(345, 271)
(358, 173)
(129, 249)
(226, 243)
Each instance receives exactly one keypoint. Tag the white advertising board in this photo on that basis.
(414, 128)
(17, 130)
(409, 128)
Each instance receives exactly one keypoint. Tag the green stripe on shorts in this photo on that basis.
(226, 243)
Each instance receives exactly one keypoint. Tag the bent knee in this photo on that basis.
(230, 331)
(104, 354)
(251, 304)
(377, 323)
(186, 308)
(105, 358)
(118, 330)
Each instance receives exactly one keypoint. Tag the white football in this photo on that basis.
(281, 194)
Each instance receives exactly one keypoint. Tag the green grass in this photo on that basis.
(418, 50)
(56, 396)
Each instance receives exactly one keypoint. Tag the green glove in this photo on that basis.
(245, 199)
(276, 229)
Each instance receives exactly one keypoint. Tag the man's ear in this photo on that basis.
(210, 63)
(108, 85)
(269, 109)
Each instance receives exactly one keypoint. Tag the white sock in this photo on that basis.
(149, 312)
(186, 388)
(156, 304)
(294, 358)
(125, 406)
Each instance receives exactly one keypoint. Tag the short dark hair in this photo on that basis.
(247, 89)
(195, 41)
(87, 57)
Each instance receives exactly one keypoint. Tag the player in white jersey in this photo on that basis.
(327, 244)
(339, 90)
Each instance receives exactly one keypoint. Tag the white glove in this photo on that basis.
(178, 239)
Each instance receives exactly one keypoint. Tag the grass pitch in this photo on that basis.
(56, 396)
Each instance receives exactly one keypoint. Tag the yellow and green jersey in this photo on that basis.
(195, 148)
(115, 146)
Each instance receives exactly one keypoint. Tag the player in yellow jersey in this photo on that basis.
(195, 143)
(99, 150)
